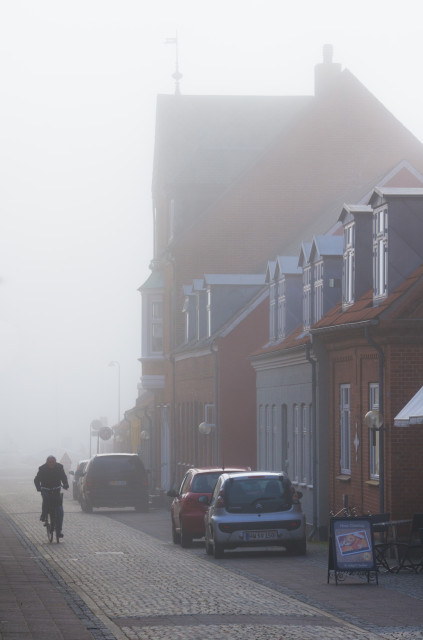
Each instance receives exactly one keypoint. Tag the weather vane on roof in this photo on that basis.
(176, 76)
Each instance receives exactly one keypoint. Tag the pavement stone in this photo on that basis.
(117, 582)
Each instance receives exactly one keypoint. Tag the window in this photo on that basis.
(282, 308)
(373, 433)
(272, 317)
(349, 264)
(296, 443)
(268, 437)
(345, 429)
(262, 437)
(284, 437)
(310, 446)
(156, 342)
(318, 291)
(304, 442)
(380, 253)
(275, 457)
(307, 298)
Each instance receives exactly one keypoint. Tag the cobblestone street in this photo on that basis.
(140, 587)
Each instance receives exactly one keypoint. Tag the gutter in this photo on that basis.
(215, 351)
(313, 363)
(342, 327)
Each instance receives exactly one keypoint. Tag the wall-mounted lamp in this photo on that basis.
(205, 428)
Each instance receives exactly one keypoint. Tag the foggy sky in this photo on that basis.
(77, 98)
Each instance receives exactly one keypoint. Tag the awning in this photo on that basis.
(412, 412)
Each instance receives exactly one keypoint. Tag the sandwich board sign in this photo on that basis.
(351, 547)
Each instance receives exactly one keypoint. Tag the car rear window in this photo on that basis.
(268, 494)
(115, 465)
(204, 482)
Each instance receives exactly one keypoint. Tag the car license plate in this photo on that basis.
(118, 483)
(260, 535)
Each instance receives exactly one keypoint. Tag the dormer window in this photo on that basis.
(318, 291)
(156, 327)
(380, 252)
(272, 315)
(281, 308)
(307, 297)
(349, 264)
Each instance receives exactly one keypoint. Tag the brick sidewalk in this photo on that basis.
(32, 605)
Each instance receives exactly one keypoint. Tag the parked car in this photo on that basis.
(186, 511)
(77, 475)
(114, 480)
(254, 509)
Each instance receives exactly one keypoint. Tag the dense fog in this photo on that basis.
(77, 93)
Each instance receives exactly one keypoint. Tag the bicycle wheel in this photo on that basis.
(50, 527)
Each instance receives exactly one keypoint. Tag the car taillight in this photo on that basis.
(293, 524)
(89, 482)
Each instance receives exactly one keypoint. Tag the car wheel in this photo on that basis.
(176, 538)
(218, 550)
(186, 540)
(86, 506)
(209, 547)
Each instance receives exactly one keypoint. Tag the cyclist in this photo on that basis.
(50, 475)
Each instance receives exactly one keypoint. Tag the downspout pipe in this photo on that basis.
(313, 363)
(382, 427)
(215, 352)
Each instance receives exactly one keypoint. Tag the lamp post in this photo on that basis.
(115, 363)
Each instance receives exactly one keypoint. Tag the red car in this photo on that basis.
(187, 513)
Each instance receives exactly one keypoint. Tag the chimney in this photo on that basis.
(326, 72)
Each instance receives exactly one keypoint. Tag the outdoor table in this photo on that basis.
(392, 541)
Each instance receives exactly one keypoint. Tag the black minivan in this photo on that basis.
(114, 480)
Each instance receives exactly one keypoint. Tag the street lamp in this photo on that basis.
(114, 363)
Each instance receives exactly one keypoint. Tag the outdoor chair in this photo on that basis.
(411, 552)
(382, 546)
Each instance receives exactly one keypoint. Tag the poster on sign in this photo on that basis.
(351, 547)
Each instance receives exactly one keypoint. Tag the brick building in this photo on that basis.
(236, 181)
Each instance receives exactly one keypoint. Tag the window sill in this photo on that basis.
(343, 478)
(372, 483)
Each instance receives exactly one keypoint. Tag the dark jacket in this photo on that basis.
(51, 477)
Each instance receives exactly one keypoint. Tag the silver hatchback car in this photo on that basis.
(256, 508)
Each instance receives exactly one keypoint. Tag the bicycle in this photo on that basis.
(53, 500)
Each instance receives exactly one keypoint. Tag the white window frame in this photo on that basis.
(318, 291)
(272, 315)
(345, 429)
(304, 442)
(307, 297)
(155, 325)
(380, 252)
(374, 433)
(268, 436)
(282, 308)
(296, 451)
(310, 446)
(349, 264)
